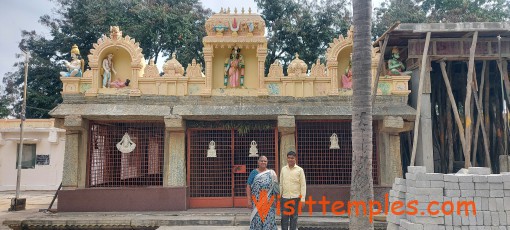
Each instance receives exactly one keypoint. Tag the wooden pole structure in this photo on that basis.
(379, 67)
(454, 107)
(480, 120)
(467, 104)
(504, 79)
(484, 135)
(449, 130)
(487, 106)
(420, 91)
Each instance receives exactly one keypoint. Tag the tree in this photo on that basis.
(301, 26)
(391, 11)
(43, 88)
(361, 177)
(433, 11)
(160, 26)
(466, 10)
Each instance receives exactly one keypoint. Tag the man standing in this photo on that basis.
(292, 190)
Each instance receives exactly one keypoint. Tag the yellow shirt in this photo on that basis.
(293, 183)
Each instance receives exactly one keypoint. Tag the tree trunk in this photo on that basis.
(361, 178)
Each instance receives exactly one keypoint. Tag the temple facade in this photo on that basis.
(138, 140)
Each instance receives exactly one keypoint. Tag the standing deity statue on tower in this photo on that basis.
(234, 69)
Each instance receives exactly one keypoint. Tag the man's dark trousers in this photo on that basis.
(292, 213)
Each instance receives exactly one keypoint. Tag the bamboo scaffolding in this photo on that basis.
(449, 130)
(467, 104)
(379, 67)
(480, 117)
(454, 106)
(420, 90)
(504, 79)
(479, 121)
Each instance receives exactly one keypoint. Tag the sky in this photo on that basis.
(18, 15)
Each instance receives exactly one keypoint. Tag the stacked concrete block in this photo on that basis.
(453, 195)
(398, 192)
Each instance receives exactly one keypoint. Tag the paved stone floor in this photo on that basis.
(35, 200)
(204, 228)
(201, 219)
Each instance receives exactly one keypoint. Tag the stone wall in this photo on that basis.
(471, 189)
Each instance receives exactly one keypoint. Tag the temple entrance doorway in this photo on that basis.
(220, 161)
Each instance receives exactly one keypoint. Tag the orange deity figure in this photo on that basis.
(234, 69)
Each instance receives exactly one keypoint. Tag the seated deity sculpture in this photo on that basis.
(395, 66)
(253, 149)
(75, 67)
(211, 152)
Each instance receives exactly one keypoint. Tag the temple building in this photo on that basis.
(138, 140)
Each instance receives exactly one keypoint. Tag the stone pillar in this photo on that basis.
(287, 128)
(175, 152)
(70, 176)
(332, 74)
(424, 153)
(390, 161)
(135, 72)
(261, 57)
(208, 58)
(396, 160)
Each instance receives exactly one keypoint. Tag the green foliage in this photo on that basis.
(43, 88)
(392, 11)
(4, 111)
(466, 10)
(160, 26)
(433, 11)
(303, 27)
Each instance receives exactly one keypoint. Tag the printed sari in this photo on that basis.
(263, 186)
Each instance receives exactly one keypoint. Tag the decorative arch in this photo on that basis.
(335, 48)
(338, 45)
(332, 62)
(127, 43)
(117, 43)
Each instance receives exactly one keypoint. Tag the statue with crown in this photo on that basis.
(395, 66)
(75, 67)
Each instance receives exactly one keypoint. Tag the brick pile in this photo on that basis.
(489, 192)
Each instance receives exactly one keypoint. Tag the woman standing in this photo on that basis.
(262, 182)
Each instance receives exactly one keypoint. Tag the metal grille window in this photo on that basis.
(210, 176)
(109, 167)
(266, 145)
(226, 174)
(322, 165)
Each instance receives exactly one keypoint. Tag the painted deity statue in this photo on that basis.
(234, 69)
(75, 67)
(108, 68)
(396, 67)
(119, 84)
(347, 77)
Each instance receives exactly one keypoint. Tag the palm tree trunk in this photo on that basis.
(362, 189)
